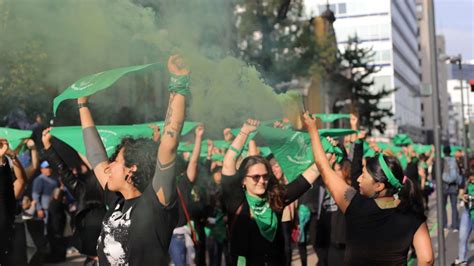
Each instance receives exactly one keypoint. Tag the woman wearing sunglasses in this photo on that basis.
(255, 201)
(385, 217)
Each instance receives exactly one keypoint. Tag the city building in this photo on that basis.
(427, 121)
(391, 29)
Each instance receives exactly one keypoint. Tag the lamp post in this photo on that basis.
(436, 130)
(458, 61)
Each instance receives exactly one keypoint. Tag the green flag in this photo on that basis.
(336, 132)
(14, 136)
(93, 83)
(387, 146)
(292, 149)
(329, 118)
(111, 135)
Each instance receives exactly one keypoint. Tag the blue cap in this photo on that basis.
(44, 164)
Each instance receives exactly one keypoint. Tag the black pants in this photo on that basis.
(17, 255)
(36, 229)
(286, 228)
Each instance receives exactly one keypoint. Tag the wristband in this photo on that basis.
(179, 84)
(82, 105)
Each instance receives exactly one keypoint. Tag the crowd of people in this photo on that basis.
(230, 201)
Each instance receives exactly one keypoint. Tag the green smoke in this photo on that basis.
(78, 38)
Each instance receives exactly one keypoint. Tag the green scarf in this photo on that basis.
(266, 218)
(470, 191)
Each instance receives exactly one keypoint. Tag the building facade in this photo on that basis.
(390, 28)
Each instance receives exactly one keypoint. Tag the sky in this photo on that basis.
(455, 20)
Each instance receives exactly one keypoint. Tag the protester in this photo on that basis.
(385, 217)
(190, 226)
(451, 180)
(467, 218)
(12, 184)
(138, 226)
(87, 192)
(255, 201)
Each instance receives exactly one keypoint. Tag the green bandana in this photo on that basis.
(329, 118)
(336, 132)
(292, 149)
(14, 136)
(96, 82)
(179, 84)
(304, 215)
(421, 149)
(470, 191)
(402, 140)
(265, 217)
(386, 170)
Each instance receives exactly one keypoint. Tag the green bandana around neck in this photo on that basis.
(265, 217)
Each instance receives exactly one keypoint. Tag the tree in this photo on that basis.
(273, 35)
(356, 77)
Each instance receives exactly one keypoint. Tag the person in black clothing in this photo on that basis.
(254, 201)
(385, 217)
(12, 185)
(55, 227)
(191, 210)
(87, 191)
(138, 226)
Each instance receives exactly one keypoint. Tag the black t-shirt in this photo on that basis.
(194, 199)
(246, 239)
(378, 236)
(137, 231)
(7, 206)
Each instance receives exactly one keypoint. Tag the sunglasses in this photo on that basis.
(256, 178)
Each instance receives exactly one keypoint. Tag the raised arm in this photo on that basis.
(339, 189)
(230, 157)
(164, 178)
(192, 169)
(253, 148)
(72, 183)
(95, 150)
(30, 170)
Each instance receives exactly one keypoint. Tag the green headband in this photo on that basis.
(391, 178)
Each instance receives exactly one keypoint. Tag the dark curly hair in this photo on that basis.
(275, 192)
(141, 152)
(411, 197)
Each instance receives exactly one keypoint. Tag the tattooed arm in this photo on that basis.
(164, 178)
(339, 189)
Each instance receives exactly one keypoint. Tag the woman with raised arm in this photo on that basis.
(255, 200)
(139, 223)
(12, 184)
(385, 217)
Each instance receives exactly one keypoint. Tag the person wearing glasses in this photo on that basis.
(255, 200)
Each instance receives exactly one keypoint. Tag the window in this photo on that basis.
(341, 8)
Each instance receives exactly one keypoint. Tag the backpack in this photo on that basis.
(450, 171)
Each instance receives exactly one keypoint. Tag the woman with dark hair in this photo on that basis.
(385, 217)
(255, 200)
(139, 184)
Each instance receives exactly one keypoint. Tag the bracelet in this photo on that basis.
(243, 133)
(82, 105)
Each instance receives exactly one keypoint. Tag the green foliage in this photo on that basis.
(273, 36)
(357, 68)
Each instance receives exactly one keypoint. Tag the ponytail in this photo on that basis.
(411, 199)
